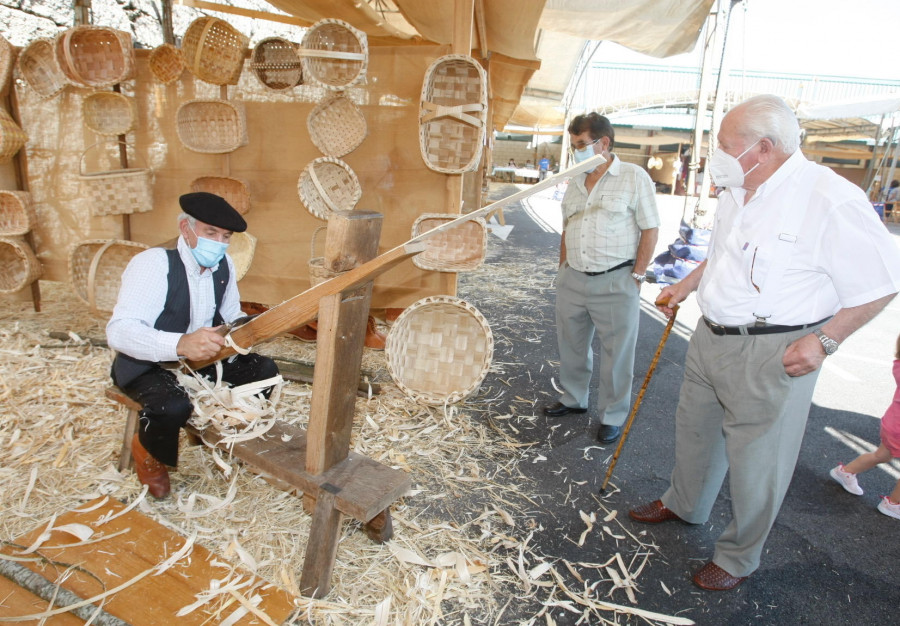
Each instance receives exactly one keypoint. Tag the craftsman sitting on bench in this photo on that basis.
(169, 304)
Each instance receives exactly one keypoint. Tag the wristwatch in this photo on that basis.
(828, 343)
(638, 277)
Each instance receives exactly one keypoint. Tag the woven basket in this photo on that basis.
(211, 126)
(439, 350)
(234, 190)
(241, 249)
(453, 114)
(7, 56)
(117, 191)
(166, 63)
(458, 249)
(12, 137)
(109, 113)
(18, 265)
(318, 273)
(326, 185)
(38, 66)
(95, 56)
(95, 270)
(16, 213)
(275, 63)
(336, 126)
(214, 50)
(335, 55)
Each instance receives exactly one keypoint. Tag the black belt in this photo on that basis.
(612, 269)
(718, 329)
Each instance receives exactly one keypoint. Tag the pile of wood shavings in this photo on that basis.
(464, 548)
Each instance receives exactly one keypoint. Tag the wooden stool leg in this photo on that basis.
(131, 425)
(321, 548)
(380, 528)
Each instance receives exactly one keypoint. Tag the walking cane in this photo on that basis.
(640, 397)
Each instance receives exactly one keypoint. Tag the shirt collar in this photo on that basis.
(787, 170)
(615, 168)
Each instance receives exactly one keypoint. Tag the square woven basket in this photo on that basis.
(95, 56)
(336, 126)
(116, 191)
(211, 126)
(95, 270)
(214, 50)
(19, 266)
(458, 249)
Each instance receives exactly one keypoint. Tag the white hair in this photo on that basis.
(770, 116)
(192, 221)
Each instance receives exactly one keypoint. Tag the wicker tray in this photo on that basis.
(241, 249)
(235, 191)
(38, 66)
(275, 63)
(116, 191)
(214, 50)
(18, 265)
(16, 213)
(109, 113)
(459, 249)
(439, 350)
(12, 137)
(453, 114)
(95, 56)
(166, 63)
(335, 55)
(326, 185)
(336, 126)
(95, 270)
(211, 126)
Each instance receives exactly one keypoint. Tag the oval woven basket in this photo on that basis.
(95, 56)
(241, 249)
(211, 126)
(12, 137)
(38, 66)
(453, 114)
(166, 63)
(116, 191)
(95, 270)
(318, 273)
(326, 185)
(16, 213)
(275, 63)
(214, 50)
(458, 249)
(334, 54)
(336, 126)
(439, 350)
(18, 265)
(235, 191)
(109, 113)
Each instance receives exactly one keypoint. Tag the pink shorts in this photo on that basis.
(891, 440)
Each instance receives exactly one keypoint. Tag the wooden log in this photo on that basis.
(351, 239)
(321, 548)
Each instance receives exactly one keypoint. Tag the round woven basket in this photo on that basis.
(318, 273)
(439, 350)
(241, 249)
(95, 270)
(12, 137)
(95, 56)
(7, 56)
(326, 185)
(16, 213)
(18, 265)
(335, 55)
(336, 126)
(214, 50)
(109, 113)
(275, 63)
(211, 126)
(235, 191)
(458, 249)
(166, 63)
(38, 66)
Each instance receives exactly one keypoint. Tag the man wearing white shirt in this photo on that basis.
(778, 293)
(169, 306)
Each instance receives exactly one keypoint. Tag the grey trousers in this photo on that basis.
(609, 305)
(738, 410)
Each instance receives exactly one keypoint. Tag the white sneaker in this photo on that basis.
(889, 508)
(846, 479)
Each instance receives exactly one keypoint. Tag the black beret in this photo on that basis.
(212, 209)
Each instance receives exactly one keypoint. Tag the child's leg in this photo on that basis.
(865, 462)
(895, 494)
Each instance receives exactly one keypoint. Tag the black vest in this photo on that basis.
(175, 316)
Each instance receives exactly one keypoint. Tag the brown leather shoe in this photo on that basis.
(150, 471)
(653, 513)
(375, 339)
(391, 315)
(307, 333)
(713, 578)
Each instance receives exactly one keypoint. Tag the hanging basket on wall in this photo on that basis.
(95, 56)
(235, 191)
(335, 55)
(16, 213)
(336, 126)
(166, 63)
(214, 50)
(109, 113)
(211, 126)
(275, 63)
(12, 137)
(116, 191)
(39, 68)
(327, 185)
(19, 266)
(7, 56)
(458, 249)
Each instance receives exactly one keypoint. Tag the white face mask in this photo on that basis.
(726, 170)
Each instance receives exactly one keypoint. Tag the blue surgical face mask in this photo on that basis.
(584, 153)
(208, 252)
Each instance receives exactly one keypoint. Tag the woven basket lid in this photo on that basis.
(336, 126)
(458, 249)
(334, 54)
(327, 185)
(95, 270)
(439, 350)
(241, 249)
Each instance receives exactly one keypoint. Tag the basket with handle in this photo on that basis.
(214, 50)
(211, 126)
(109, 113)
(95, 270)
(235, 191)
(439, 350)
(40, 69)
(275, 63)
(16, 213)
(19, 266)
(336, 126)
(166, 63)
(12, 137)
(95, 56)
(458, 249)
(334, 54)
(318, 273)
(116, 191)
(453, 114)
(326, 185)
